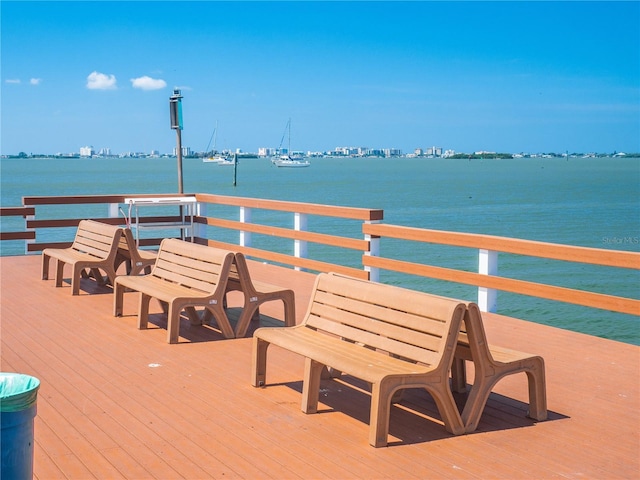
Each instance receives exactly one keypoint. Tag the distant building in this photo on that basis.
(266, 152)
(87, 151)
(186, 151)
(449, 153)
(392, 152)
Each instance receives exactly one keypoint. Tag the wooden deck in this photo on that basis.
(116, 402)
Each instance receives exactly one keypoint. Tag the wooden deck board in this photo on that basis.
(116, 402)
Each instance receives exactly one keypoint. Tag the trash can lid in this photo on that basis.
(17, 391)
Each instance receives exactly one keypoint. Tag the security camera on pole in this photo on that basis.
(175, 110)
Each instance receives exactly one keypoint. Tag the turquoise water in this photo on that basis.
(586, 202)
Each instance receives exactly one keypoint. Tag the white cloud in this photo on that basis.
(101, 81)
(148, 83)
(35, 81)
(12, 80)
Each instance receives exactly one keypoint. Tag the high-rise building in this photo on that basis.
(87, 151)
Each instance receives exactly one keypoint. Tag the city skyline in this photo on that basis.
(467, 76)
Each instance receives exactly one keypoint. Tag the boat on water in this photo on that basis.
(215, 157)
(286, 161)
(219, 159)
(226, 161)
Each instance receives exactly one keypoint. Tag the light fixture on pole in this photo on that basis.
(175, 110)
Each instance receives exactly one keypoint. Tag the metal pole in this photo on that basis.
(179, 155)
(235, 168)
(175, 112)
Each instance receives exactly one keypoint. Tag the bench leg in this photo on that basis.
(248, 312)
(59, 272)
(221, 319)
(381, 394)
(173, 322)
(447, 407)
(482, 387)
(194, 318)
(311, 386)
(78, 272)
(537, 390)
(45, 266)
(143, 311)
(251, 311)
(288, 298)
(118, 299)
(259, 362)
(458, 375)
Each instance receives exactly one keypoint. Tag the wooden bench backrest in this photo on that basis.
(191, 265)
(97, 239)
(126, 239)
(409, 324)
(240, 273)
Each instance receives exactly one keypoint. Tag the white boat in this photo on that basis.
(220, 159)
(286, 161)
(226, 161)
(215, 159)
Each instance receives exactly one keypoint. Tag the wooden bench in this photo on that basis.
(137, 261)
(95, 247)
(185, 275)
(491, 364)
(257, 293)
(391, 337)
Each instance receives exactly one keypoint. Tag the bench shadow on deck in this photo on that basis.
(117, 402)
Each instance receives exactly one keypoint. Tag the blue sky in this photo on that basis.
(468, 76)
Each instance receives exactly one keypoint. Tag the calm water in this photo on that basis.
(587, 202)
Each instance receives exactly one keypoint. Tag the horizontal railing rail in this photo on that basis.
(299, 235)
(36, 221)
(489, 282)
(17, 212)
(116, 212)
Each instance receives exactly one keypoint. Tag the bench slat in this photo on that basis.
(391, 298)
(395, 342)
(200, 273)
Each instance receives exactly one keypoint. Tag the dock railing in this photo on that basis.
(487, 280)
(286, 226)
(304, 236)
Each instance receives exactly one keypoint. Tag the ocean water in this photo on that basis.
(587, 202)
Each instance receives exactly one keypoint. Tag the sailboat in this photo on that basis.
(287, 160)
(215, 157)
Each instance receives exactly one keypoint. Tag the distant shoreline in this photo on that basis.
(458, 156)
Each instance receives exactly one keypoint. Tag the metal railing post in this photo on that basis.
(374, 251)
(300, 246)
(487, 265)
(26, 222)
(199, 228)
(245, 217)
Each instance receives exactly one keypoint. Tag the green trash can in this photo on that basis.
(18, 396)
